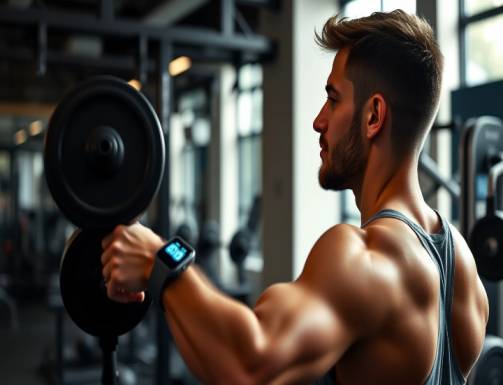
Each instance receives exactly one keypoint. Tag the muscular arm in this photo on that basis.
(295, 333)
(230, 343)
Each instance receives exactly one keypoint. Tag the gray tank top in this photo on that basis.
(440, 248)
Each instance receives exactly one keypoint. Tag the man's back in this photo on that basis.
(404, 349)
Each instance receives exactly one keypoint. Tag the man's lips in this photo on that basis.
(323, 144)
(324, 147)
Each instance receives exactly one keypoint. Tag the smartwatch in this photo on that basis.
(171, 260)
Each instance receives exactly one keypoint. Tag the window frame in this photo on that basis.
(464, 21)
(343, 3)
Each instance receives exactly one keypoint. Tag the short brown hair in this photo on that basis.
(397, 55)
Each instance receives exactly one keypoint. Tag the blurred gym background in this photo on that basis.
(236, 85)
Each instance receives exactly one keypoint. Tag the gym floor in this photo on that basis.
(23, 349)
(28, 352)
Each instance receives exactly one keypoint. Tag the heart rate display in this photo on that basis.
(176, 251)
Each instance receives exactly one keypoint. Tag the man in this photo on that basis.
(397, 301)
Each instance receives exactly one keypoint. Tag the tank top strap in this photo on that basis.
(440, 247)
(427, 240)
(389, 213)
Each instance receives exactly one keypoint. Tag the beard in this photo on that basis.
(346, 162)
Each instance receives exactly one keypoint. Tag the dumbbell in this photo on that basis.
(185, 231)
(486, 238)
(239, 248)
(104, 157)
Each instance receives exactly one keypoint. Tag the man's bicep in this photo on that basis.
(304, 334)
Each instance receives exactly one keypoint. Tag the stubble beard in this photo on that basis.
(346, 162)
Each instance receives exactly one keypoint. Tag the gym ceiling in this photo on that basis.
(49, 45)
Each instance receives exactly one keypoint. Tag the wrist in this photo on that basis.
(155, 246)
(171, 260)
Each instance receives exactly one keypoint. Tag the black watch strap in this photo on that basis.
(159, 278)
(170, 261)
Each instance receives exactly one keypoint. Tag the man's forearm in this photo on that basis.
(220, 338)
(186, 350)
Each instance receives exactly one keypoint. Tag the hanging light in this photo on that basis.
(135, 84)
(179, 65)
(36, 127)
(20, 137)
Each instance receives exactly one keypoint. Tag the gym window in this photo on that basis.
(360, 8)
(193, 109)
(481, 46)
(249, 126)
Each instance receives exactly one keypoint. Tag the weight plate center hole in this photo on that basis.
(106, 146)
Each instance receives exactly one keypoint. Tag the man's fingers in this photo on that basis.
(117, 231)
(121, 270)
(106, 257)
(115, 293)
(125, 297)
(137, 297)
(106, 241)
(107, 272)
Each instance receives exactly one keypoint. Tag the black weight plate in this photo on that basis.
(85, 188)
(84, 293)
(486, 243)
(489, 367)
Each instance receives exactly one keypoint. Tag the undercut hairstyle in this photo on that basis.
(394, 54)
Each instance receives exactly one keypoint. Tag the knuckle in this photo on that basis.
(115, 277)
(116, 246)
(115, 263)
(119, 229)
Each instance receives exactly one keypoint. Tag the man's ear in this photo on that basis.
(377, 109)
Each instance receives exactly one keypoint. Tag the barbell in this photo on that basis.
(104, 158)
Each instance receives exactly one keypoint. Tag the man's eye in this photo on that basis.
(331, 100)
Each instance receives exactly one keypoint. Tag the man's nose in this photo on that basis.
(320, 122)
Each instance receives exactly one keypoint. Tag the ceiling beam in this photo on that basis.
(125, 28)
(169, 12)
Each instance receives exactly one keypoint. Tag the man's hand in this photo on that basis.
(128, 257)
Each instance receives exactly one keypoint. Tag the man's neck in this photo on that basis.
(388, 185)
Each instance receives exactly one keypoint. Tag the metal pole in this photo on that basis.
(164, 92)
(60, 379)
(143, 59)
(227, 16)
(462, 43)
(42, 49)
(109, 374)
(107, 9)
(430, 168)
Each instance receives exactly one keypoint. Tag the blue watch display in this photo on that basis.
(171, 260)
(176, 253)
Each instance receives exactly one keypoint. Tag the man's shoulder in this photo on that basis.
(341, 250)
(350, 242)
(342, 236)
(341, 266)
(350, 254)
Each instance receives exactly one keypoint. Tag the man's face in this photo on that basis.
(339, 126)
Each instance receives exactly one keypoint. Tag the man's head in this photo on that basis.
(391, 65)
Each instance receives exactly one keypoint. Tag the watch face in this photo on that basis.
(176, 252)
